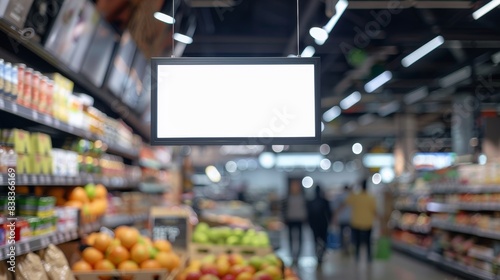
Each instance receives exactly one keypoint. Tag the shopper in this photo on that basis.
(320, 216)
(364, 213)
(295, 214)
(344, 219)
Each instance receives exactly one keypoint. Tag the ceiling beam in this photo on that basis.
(369, 5)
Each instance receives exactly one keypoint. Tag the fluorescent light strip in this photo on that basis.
(455, 77)
(422, 51)
(378, 81)
(309, 51)
(164, 17)
(332, 114)
(416, 95)
(320, 37)
(183, 38)
(350, 100)
(485, 9)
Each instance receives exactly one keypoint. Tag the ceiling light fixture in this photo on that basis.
(485, 9)
(350, 100)
(332, 114)
(378, 81)
(309, 51)
(416, 95)
(455, 77)
(422, 51)
(164, 17)
(183, 38)
(320, 35)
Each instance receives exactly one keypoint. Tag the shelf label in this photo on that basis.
(14, 107)
(24, 179)
(47, 119)
(34, 115)
(2, 104)
(172, 225)
(57, 123)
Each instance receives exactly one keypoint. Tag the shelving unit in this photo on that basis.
(118, 220)
(466, 230)
(44, 57)
(32, 115)
(38, 243)
(416, 251)
(468, 270)
(83, 179)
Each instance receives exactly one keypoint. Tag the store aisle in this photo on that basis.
(337, 266)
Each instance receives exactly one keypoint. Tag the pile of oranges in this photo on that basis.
(126, 251)
(91, 200)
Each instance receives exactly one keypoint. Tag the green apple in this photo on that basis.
(90, 190)
(200, 237)
(256, 262)
(202, 227)
(233, 240)
(238, 232)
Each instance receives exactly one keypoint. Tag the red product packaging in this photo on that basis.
(28, 76)
(21, 68)
(35, 90)
(49, 96)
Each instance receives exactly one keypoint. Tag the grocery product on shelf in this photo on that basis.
(204, 234)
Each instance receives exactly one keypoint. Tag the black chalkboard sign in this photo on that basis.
(172, 226)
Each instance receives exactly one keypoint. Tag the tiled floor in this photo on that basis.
(337, 266)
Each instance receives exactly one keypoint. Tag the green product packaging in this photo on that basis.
(27, 205)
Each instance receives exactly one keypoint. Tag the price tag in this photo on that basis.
(34, 180)
(14, 107)
(24, 179)
(1, 179)
(34, 115)
(27, 247)
(2, 104)
(57, 123)
(172, 225)
(71, 128)
(47, 119)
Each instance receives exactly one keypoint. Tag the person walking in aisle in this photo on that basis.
(295, 214)
(320, 216)
(344, 220)
(364, 213)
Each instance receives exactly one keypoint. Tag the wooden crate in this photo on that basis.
(153, 274)
(198, 251)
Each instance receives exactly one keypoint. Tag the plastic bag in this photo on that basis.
(30, 267)
(383, 248)
(5, 274)
(333, 238)
(55, 264)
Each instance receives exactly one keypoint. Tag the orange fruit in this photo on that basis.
(73, 203)
(92, 255)
(102, 242)
(104, 265)
(120, 230)
(139, 253)
(169, 261)
(118, 254)
(90, 240)
(81, 266)
(129, 237)
(163, 245)
(150, 264)
(128, 266)
(100, 191)
(79, 194)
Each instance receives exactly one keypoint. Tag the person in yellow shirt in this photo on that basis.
(363, 215)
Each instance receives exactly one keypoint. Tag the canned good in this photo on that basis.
(14, 81)
(7, 78)
(42, 104)
(35, 90)
(20, 80)
(2, 76)
(28, 76)
(49, 95)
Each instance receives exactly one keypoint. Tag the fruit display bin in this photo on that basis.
(198, 251)
(153, 274)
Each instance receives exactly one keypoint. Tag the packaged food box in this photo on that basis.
(41, 143)
(20, 139)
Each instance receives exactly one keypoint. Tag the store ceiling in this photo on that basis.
(384, 31)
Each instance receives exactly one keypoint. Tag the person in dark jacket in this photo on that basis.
(319, 215)
(295, 215)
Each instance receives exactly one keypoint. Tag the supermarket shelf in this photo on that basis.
(460, 268)
(411, 192)
(411, 208)
(153, 187)
(33, 115)
(489, 259)
(416, 251)
(466, 189)
(48, 59)
(466, 229)
(82, 179)
(415, 229)
(38, 243)
(114, 221)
